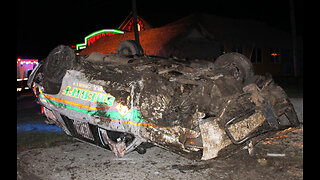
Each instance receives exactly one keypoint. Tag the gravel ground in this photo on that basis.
(77, 160)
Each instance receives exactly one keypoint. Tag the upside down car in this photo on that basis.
(198, 109)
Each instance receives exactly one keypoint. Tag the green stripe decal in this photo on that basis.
(132, 115)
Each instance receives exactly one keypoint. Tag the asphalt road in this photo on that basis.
(77, 160)
(83, 161)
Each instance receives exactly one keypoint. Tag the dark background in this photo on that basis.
(42, 25)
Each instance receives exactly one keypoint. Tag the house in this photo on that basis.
(204, 36)
(126, 25)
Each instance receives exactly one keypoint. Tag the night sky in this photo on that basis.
(42, 25)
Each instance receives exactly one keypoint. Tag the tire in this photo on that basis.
(129, 48)
(235, 63)
(59, 60)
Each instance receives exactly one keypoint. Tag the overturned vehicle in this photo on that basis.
(121, 101)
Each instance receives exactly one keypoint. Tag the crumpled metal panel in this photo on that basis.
(168, 102)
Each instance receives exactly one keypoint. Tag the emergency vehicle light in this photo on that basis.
(27, 61)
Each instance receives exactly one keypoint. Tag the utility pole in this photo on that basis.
(135, 24)
(135, 27)
(294, 38)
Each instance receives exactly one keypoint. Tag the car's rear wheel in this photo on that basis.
(129, 48)
(235, 63)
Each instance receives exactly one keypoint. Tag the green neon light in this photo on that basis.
(95, 33)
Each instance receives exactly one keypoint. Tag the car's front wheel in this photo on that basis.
(59, 60)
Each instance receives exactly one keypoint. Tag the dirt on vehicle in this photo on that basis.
(241, 125)
(197, 108)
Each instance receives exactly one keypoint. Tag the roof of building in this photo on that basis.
(155, 41)
(126, 25)
(152, 40)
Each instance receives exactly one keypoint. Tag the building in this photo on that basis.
(126, 25)
(204, 36)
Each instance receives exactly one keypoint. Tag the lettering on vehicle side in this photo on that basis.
(119, 112)
(88, 95)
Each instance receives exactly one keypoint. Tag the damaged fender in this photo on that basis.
(197, 109)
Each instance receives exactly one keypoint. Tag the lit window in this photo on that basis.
(274, 56)
(138, 27)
